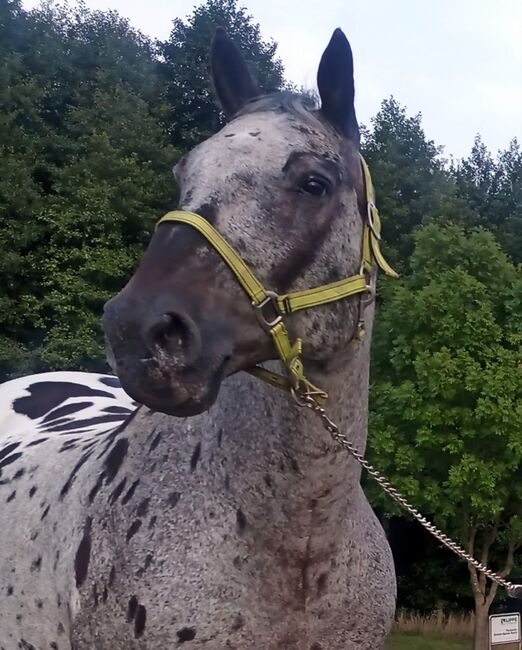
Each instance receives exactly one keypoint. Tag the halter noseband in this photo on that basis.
(271, 308)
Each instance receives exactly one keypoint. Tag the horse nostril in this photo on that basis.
(175, 334)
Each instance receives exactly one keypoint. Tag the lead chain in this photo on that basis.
(514, 590)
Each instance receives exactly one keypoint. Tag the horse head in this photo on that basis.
(282, 182)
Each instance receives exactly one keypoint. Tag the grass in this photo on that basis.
(435, 632)
(454, 625)
(429, 641)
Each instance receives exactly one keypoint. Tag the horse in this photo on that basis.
(219, 514)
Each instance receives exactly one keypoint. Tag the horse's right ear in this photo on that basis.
(232, 80)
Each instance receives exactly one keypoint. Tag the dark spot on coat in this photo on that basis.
(8, 449)
(46, 395)
(115, 495)
(132, 607)
(238, 622)
(254, 134)
(143, 508)
(117, 409)
(316, 646)
(113, 382)
(24, 645)
(321, 584)
(241, 521)
(53, 645)
(96, 487)
(45, 512)
(10, 459)
(32, 491)
(220, 437)
(173, 499)
(112, 576)
(152, 522)
(139, 621)
(68, 444)
(11, 496)
(133, 529)
(39, 603)
(19, 474)
(195, 457)
(68, 409)
(95, 597)
(36, 565)
(60, 628)
(83, 554)
(155, 442)
(115, 458)
(186, 634)
(130, 492)
(9, 590)
(72, 476)
(208, 211)
(37, 442)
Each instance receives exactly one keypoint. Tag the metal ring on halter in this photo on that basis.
(268, 322)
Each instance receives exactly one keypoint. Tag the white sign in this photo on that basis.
(504, 628)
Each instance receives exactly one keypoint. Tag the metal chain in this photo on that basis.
(514, 590)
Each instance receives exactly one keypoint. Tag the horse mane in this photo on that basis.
(303, 105)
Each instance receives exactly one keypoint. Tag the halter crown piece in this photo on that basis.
(271, 308)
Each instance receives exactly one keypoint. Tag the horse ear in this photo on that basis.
(232, 80)
(336, 87)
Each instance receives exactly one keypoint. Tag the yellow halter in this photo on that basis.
(286, 304)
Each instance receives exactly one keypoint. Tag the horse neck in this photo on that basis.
(267, 424)
(271, 459)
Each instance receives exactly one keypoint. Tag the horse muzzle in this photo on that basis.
(163, 357)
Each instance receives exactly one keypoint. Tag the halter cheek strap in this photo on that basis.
(271, 307)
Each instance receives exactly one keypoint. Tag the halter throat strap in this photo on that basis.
(271, 307)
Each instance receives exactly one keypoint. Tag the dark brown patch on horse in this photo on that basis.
(83, 554)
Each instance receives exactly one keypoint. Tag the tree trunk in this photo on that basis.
(481, 628)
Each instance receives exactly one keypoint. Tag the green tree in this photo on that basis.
(446, 398)
(188, 90)
(84, 172)
(409, 174)
(492, 188)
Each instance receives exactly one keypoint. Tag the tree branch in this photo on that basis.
(475, 586)
(489, 538)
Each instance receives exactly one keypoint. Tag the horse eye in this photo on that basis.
(315, 186)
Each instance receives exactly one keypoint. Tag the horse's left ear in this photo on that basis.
(232, 80)
(336, 87)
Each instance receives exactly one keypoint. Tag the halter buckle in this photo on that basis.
(268, 321)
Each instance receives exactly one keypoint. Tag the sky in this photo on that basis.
(458, 62)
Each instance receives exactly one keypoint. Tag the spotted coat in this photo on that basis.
(50, 424)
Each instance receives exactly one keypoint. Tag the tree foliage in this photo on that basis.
(188, 90)
(84, 172)
(409, 174)
(493, 191)
(446, 419)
